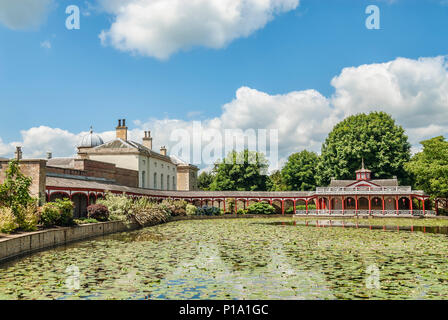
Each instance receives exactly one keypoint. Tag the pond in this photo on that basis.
(237, 259)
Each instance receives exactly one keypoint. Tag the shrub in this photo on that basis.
(209, 211)
(85, 221)
(49, 215)
(230, 207)
(8, 221)
(98, 212)
(290, 210)
(65, 208)
(28, 217)
(191, 210)
(260, 208)
(120, 206)
(241, 212)
(176, 207)
(147, 213)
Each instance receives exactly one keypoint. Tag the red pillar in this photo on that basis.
(370, 205)
(329, 204)
(283, 207)
(306, 205)
(294, 206)
(356, 204)
(437, 206)
(236, 206)
(423, 200)
(343, 204)
(396, 203)
(411, 205)
(383, 204)
(224, 205)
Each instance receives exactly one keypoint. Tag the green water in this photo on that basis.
(237, 259)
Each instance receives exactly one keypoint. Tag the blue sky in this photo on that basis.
(77, 81)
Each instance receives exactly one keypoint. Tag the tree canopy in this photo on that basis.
(205, 179)
(15, 190)
(374, 137)
(299, 173)
(275, 182)
(429, 168)
(243, 171)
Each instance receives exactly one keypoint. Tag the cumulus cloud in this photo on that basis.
(23, 14)
(414, 92)
(159, 28)
(45, 44)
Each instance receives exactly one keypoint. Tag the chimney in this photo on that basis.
(122, 130)
(163, 150)
(49, 155)
(147, 140)
(18, 153)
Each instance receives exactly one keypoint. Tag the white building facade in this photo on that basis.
(155, 170)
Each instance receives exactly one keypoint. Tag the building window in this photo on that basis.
(155, 164)
(143, 178)
(155, 180)
(161, 181)
(168, 182)
(174, 184)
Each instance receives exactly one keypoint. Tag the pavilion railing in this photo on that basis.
(366, 190)
(365, 213)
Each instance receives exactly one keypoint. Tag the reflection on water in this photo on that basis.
(345, 224)
(237, 259)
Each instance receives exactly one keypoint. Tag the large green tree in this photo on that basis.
(429, 168)
(275, 182)
(205, 179)
(243, 171)
(299, 172)
(375, 137)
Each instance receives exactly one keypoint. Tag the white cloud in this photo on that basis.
(414, 92)
(45, 44)
(159, 28)
(23, 14)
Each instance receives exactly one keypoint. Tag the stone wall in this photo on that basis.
(36, 169)
(12, 246)
(98, 169)
(109, 171)
(187, 178)
(66, 171)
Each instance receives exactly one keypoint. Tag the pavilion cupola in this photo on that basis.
(363, 173)
(122, 130)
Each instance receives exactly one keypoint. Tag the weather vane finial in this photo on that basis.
(362, 163)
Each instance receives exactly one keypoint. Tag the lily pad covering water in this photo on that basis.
(237, 259)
